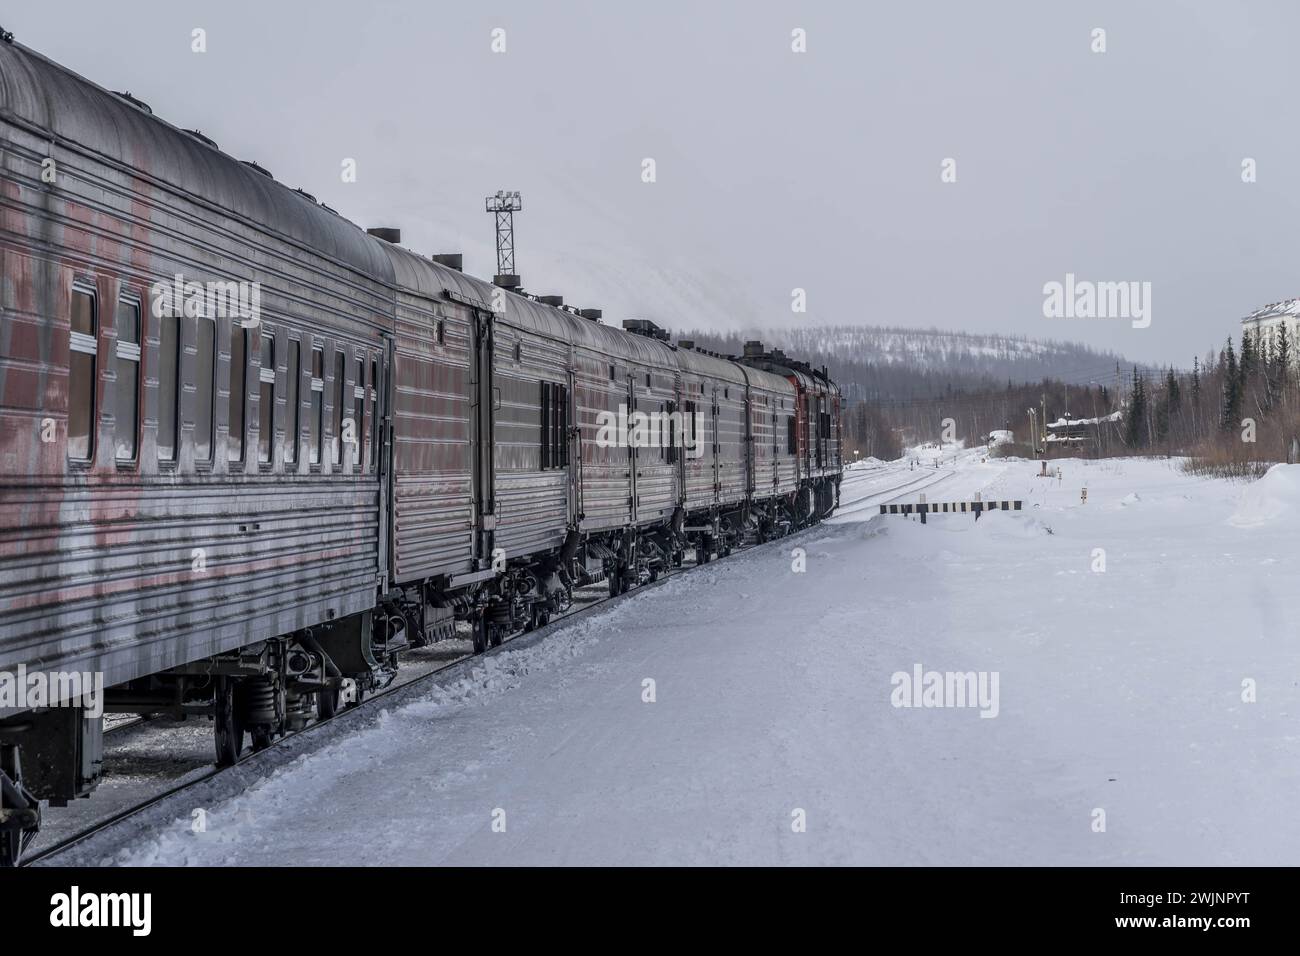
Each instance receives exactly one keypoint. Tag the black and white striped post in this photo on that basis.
(976, 507)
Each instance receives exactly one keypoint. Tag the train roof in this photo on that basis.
(434, 280)
(54, 102)
(57, 103)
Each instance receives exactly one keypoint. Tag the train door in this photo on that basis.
(632, 451)
(381, 438)
(483, 429)
(680, 432)
(751, 414)
(714, 421)
(572, 444)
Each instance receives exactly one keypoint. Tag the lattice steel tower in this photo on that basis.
(505, 204)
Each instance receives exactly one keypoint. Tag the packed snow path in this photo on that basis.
(1124, 692)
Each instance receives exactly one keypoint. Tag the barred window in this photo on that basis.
(555, 425)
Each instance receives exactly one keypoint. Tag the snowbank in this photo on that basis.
(1274, 497)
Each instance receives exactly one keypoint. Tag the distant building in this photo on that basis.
(1076, 431)
(1264, 324)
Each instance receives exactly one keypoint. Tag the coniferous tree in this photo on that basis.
(1230, 412)
(1135, 424)
(1282, 355)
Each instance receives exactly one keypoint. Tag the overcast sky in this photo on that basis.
(775, 170)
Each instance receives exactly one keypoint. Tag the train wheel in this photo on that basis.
(228, 731)
(480, 635)
(327, 703)
(614, 583)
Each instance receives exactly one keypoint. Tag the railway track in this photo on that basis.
(875, 498)
(287, 746)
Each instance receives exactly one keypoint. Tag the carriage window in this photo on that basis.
(561, 426)
(266, 398)
(238, 389)
(442, 333)
(169, 352)
(359, 413)
(671, 436)
(127, 411)
(546, 426)
(204, 385)
(376, 435)
(340, 373)
(84, 346)
(663, 433)
(293, 425)
(317, 403)
(555, 425)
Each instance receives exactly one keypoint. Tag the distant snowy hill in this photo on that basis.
(896, 363)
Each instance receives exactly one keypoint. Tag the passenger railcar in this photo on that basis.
(249, 453)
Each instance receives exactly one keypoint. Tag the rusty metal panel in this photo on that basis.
(129, 567)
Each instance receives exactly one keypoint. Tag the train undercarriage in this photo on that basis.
(272, 688)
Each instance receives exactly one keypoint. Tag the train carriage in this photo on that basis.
(182, 340)
(249, 453)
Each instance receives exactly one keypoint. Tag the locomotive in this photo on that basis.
(251, 452)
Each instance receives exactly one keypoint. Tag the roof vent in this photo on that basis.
(256, 168)
(557, 300)
(393, 236)
(593, 314)
(645, 327)
(6, 35)
(304, 194)
(687, 344)
(452, 260)
(201, 138)
(506, 281)
(139, 104)
(753, 348)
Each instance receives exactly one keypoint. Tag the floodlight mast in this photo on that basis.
(504, 205)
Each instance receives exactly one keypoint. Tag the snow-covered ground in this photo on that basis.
(1123, 692)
